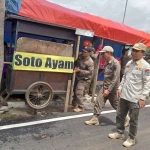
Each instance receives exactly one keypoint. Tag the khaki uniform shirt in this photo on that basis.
(111, 75)
(86, 66)
(135, 84)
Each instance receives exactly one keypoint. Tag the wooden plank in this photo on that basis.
(67, 96)
(43, 47)
(96, 74)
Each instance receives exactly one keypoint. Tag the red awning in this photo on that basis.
(45, 11)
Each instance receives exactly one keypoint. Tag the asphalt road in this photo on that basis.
(72, 134)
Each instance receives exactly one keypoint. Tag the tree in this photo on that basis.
(2, 18)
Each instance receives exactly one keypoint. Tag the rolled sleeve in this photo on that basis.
(116, 76)
(146, 85)
(87, 72)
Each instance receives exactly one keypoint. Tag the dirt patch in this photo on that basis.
(6, 115)
(57, 105)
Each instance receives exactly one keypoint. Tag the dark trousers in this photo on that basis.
(101, 100)
(124, 107)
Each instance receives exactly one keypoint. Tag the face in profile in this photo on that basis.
(106, 55)
(137, 54)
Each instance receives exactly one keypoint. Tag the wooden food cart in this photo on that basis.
(40, 68)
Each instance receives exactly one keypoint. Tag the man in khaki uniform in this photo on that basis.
(133, 90)
(110, 85)
(84, 67)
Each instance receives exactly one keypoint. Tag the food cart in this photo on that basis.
(40, 68)
(43, 60)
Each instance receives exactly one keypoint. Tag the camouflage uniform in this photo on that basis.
(147, 58)
(89, 87)
(124, 61)
(111, 83)
(83, 77)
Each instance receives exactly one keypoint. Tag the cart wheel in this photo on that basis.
(39, 94)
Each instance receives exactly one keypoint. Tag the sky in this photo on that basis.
(137, 13)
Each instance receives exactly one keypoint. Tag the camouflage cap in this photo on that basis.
(87, 48)
(139, 46)
(107, 49)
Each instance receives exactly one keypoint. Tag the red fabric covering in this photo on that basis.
(45, 11)
(102, 62)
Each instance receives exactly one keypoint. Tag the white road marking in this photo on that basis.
(52, 120)
(147, 106)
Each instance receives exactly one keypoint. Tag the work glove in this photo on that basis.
(99, 49)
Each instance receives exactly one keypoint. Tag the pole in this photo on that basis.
(74, 74)
(125, 11)
(67, 96)
(96, 75)
(2, 19)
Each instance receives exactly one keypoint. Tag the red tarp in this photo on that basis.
(45, 11)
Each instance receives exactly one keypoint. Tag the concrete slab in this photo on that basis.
(3, 109)
(16, 104)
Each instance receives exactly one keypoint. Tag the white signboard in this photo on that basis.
(84, 32)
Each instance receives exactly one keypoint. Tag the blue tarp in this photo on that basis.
(13, 6)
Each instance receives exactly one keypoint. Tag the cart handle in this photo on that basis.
(8, 63)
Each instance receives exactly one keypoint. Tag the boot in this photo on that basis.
(93, 121)
(87, 96)
(129, 142)
(116, 136)
(73, 106)
(78, 109)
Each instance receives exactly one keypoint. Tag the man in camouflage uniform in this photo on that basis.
(94, 55)
(84, 67)
(124, 59)
(147, 55)
(110, 85)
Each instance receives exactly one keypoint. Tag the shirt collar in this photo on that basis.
(85, 58)
(138, 61)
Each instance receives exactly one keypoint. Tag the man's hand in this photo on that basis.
(100, 46)
(99, 49)
(76, 70)
(118, 93)
(106, 93)
(141, 103)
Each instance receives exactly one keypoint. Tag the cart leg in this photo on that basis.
(67, 96)
(34, 112)
(3, 98)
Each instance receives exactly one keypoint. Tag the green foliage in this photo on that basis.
(148, 51)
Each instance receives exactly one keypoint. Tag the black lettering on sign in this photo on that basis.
(55, 62)
(69, 65)
(18, 62)
(38, 62)
(32, 61)
(48, 63)
(61, 64)
(26, 61)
